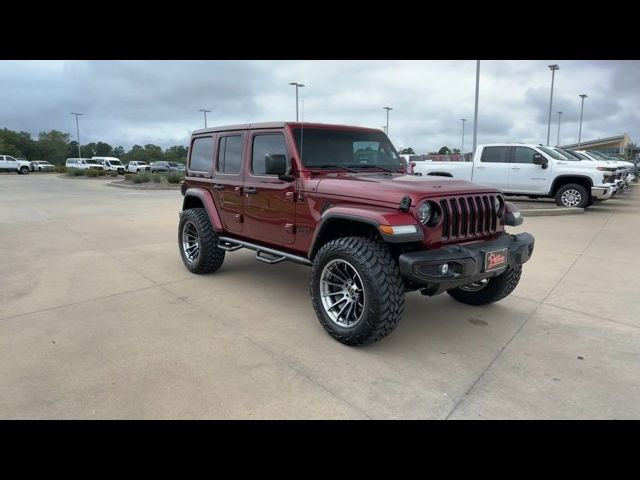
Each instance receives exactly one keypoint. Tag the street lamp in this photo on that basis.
(78, 131)
(205, 115)
(582, 96)
(475, 114)
(384, 128)
(387, 109)
(462, 149)
(297, 85)
(558, 141)
(553, 69)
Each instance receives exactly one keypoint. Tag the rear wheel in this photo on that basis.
(572, 195)
(356, 290)
(198, 242)
(488, 290)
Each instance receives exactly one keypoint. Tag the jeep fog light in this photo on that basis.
(444, 269)
(398, 229)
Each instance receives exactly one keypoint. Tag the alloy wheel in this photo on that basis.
(342, 293)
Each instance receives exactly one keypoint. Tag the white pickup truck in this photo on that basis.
(531, 170)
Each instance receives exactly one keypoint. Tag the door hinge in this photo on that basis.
(290, 196)
(238, 217)
(288, 227)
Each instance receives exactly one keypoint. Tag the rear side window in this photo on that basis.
(230, 154)
(495, 155)
(267, 148)
(201, 154)
(523, 155)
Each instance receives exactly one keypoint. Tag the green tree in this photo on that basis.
(456, 151)
(9, 149)
(119, 152)
(53, 146)
(407, 151)
(177, 153)
(154, 153)
(444, 151)
(104, 150)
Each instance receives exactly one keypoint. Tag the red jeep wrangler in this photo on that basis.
(338, 199)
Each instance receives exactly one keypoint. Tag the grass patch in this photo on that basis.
(142, 177)
(174, 177)
(156, 178)
(76, 172)
(61, 169)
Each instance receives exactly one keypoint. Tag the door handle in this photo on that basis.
(481, 168)
(250, 190)
(560, 163)
(218, 186)
(515, 168)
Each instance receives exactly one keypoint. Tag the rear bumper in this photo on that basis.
(466, 264)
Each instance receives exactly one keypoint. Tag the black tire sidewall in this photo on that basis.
(360, 332)
(583, 192)
(210, 257)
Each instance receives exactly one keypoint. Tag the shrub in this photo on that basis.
(174, 177)
(76, 172)
(156, 178)
(92, 173)
(113, 173)
(142, 177)
(102, 173)
(128, 176)
(61, 169)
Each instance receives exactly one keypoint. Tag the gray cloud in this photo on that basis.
(129, 102)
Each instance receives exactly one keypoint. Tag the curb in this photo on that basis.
(550, 212)
(132, 187)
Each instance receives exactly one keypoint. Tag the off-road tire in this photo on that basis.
(496, 288)
(23, 171)
(211, 256)
(382, 284)
(575, 186)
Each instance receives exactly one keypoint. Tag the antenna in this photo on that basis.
(302, 133)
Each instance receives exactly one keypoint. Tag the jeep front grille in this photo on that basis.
(468, 217)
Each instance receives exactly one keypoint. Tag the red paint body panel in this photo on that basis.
(286, 215)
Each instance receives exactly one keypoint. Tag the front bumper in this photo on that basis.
(603, 193)
(466, 263)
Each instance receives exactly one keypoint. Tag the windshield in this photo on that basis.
(579, 155)
(345, 148)
(115, 162)
(92, 162)
(567, 154)
(598, 155)
(551, 153)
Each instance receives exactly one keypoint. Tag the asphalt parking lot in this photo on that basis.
(100, 319)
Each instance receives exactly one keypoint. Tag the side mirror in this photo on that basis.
(277, 165)
(539, 159)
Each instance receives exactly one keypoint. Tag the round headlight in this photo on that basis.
(424, 212)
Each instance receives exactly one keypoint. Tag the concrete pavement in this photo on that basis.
(100, 319)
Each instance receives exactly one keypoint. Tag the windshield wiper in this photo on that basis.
(373, 166)
(333, 165)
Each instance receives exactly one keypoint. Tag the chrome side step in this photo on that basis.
(264, 254)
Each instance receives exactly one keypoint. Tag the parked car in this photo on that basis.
(162, 167)
(111, 164)
(41, 165)
(83, 164)
(135, 167)
(179, 167)
(369, 231)
(628, 166)
(527, 169)
(12, 164)
(615, 174)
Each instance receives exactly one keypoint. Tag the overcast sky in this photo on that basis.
(139, 102)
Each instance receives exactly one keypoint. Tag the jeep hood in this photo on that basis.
(392, 188)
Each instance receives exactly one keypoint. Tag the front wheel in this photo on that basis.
(572, 195)
(488, 290)
(24, 170)
(198, 242)
(356, 290)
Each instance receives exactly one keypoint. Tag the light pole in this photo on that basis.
(475, 115)
(297, 85)
(387, 109)
(384, 128)
(205, 115)
(462, 149)
(78, 131)
(582, 96)
(558, 141)
(553, 69)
